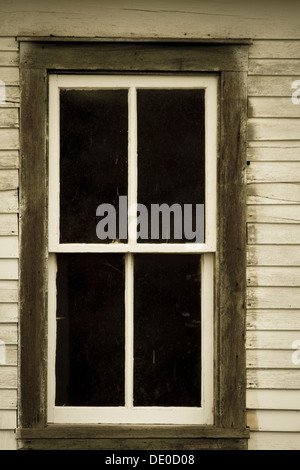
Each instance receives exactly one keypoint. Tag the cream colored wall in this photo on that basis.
(273, 176)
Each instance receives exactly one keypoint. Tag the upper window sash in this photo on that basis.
(132, 83)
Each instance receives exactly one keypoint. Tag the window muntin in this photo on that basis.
(167, 413)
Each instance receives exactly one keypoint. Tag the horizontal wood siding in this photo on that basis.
(273, 235)
(273, 195)
(9, 264)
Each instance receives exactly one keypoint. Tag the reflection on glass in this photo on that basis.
(90, 330)
(167, 338)
(171, 153)
(93, 159)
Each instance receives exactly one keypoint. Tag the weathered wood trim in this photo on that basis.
(231, 62)
(157, 39)
(231, 275)
(134, 57)
(33, 247)
(59, 431)
(189, 445)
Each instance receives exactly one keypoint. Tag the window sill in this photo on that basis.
(126, 437)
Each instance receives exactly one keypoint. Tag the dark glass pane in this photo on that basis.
(167, 335)
(93, 159)
(90, 330)
(171, 156)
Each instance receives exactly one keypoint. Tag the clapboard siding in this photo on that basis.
(273, 129)
(273, 196)
(9, 184)
(273, 193)
(272, 276)
(269, 85)
(273, 235)
(274, 153)
(279, 107)
(269, 420)
(273, 399)
(289, 49)
(281, 214)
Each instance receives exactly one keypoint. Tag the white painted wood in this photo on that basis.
(273, 319)
(274, 144)
(273, 399)
(272, 359)
(269, 420)
(9, 118)
(129, 329)
(164, 19)
(9, 268)
(274, 67)
(274, 49)
(8, 44)
(9, 247)
(9, 179)
(12, 96)
(8, 224)
(273, 153)
(9, 202)
(273, 276)
(273, 107)
(284, 340)
(8, 377)
(273, 193)
(9, 333)
(273, 214)
(8, 294)
(273, 172)
(288, 379)
(130, 82)
(270, 255)
(8, 399)
(10, 75)
(273, 128)
(11, 354)
(270, 85)
(274, 441)
(8, 313)
(273, 234)
(9, 139)
(273, 297)
(8, 419)
(9, 58)
(9, 159)
(8, 439)
(52, 270)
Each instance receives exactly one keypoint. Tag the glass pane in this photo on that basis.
(167, 338)
(93, 160)
(171, 162)
(90, 330)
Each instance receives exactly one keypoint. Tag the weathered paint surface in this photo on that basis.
(273, 172)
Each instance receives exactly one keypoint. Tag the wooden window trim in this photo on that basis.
(230, 61)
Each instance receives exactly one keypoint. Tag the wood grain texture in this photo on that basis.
(271, 255)
(273, 153)
(273, 399)
(279, 214)
(135, 57)
(288, 379)
(33, 247)
(273, 129)
(272, 234)
(273, 193)
(273, 319)
(273, 107)
(273, 172)
(273, 276)
(232, 237)
(274, 49)
(270, 85)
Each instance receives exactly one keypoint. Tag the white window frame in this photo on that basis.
(129, 413)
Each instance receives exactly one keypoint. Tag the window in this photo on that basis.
(132, 236)
(95, 236)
